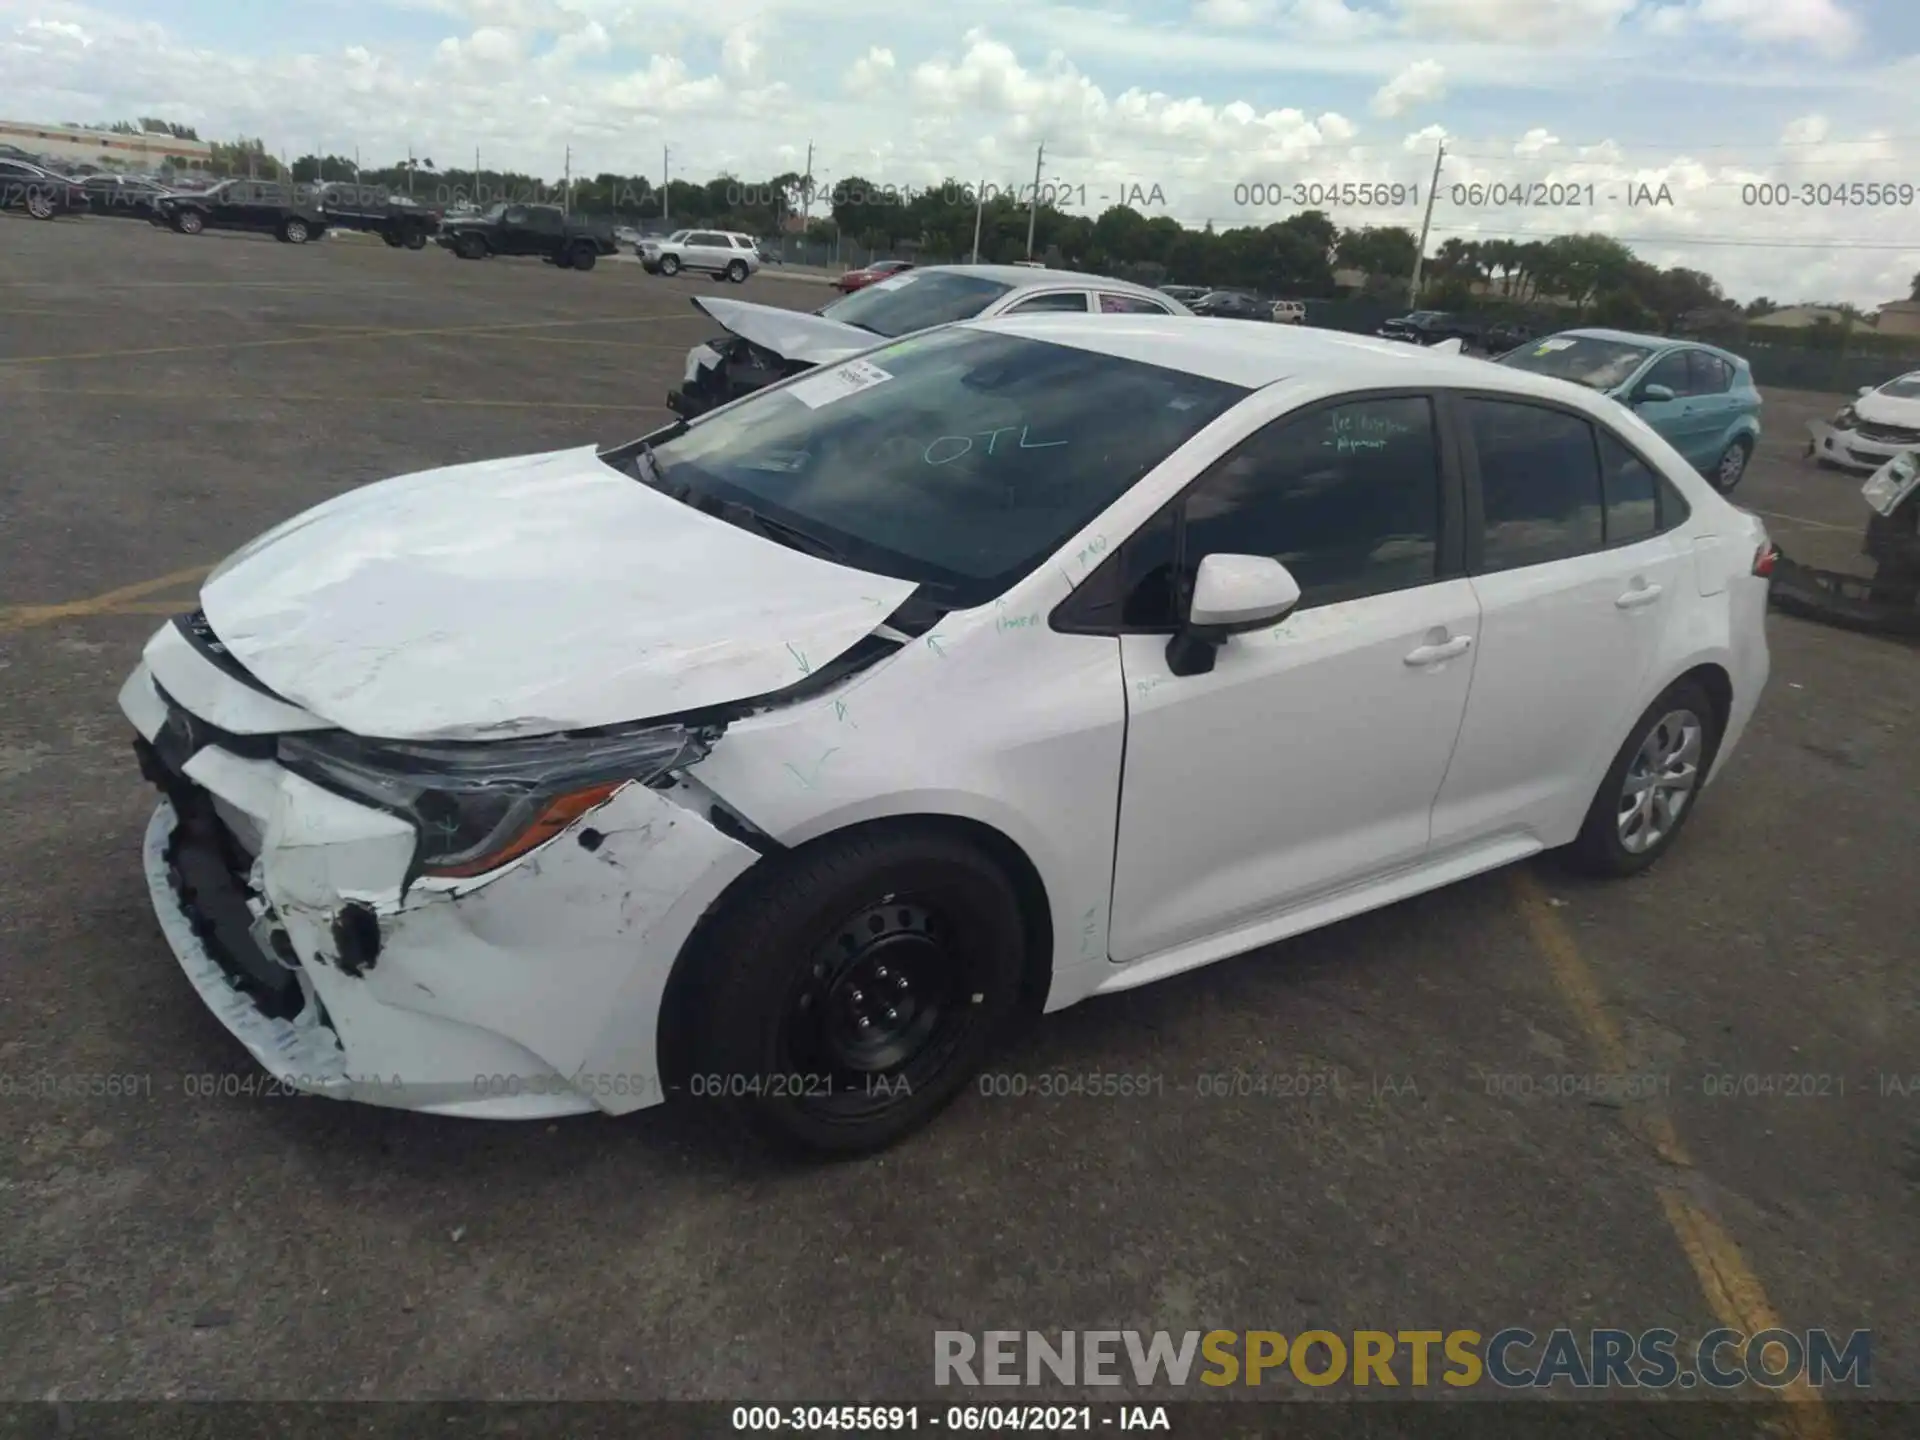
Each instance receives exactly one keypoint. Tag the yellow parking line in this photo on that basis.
(370, 333)
(127, 600)
(1732, 1290)
(1810, 524)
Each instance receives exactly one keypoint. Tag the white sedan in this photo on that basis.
(1871, 429)
(781, 757)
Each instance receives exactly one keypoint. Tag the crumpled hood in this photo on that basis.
(790, 334)
(1879, 409)
(526, 596)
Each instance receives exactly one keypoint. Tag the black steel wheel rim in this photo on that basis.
(878, 1008)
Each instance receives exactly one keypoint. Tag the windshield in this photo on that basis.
(916, 300)
(958, 460)
(494, 212)
(1597, 364)
(1907, 387)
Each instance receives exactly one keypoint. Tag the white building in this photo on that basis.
(72, 144)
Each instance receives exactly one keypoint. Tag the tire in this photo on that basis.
(737, 271)
(189, 222)
(295, 231)
(471, 247)
(40, 205)
(585, 257)
(1615, 841)
(1731, 468)
(669, 264)
(392, 240)
(786, 969)
(416, 240)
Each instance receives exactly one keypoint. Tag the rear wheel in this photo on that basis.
(853, 993)
(416, 240)
(40, 205)
(1732, 465)
(295, 231)
(1652, 786)
(189, 222)
(737, 271)
(669, 264)
(584, 257)
(470, 247)
(393, 240)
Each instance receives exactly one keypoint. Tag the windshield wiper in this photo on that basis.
(778, 531)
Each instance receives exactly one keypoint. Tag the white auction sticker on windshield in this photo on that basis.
(893, 282)
(837, 383)
(1547, 346)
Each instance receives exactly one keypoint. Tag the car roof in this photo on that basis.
(1255, 356)
(1030, 278)
(1652, 342)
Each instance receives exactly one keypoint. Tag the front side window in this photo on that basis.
(916, 300)
(1539, 484)
(1672, 371)
(959, 460)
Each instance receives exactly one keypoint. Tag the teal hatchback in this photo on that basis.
(1701, 399)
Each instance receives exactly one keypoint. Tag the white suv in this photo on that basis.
(1289, 312)
(724, 253)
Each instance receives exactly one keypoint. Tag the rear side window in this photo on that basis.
(1540, 491)
(1708, 374)
(1111, 304)
(1632, 493)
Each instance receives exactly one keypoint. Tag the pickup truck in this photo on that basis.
(262, 205)
(1430, 327)
(543, 230)
(374, 210)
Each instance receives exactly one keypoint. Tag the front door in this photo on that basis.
(1309, 758)
(1678, 420)
(1576, 579)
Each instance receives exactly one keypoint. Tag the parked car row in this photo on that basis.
(1236, 304)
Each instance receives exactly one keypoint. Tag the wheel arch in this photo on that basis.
(677, 1028)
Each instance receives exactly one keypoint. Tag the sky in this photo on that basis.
(1199, 109)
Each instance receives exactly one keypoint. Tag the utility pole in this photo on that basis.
(1033, 209)
(476, 175)
(806, 187)
(409, 172)
(356, 164)
(566, 184)
(979, 208)
(1419, 259)
(666, 184)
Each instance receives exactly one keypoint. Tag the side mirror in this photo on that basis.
(1231, 594)
(1653, 394)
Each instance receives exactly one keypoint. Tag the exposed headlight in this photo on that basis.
(1844, 417)
(478, 805)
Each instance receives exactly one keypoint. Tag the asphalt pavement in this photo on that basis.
(1419, 1142)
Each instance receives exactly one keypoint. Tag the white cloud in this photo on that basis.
(1336, 128)
(1807, 130)
(490, 48)
(740, 52)
(57, 30)
(871, 73)
(1821, 23)
(1233, 13)
(1514, 21)
(1420, 83)
(1423, 141)
(1536, 141)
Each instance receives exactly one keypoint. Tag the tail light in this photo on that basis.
(1764, 559)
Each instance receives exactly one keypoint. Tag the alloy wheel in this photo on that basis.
(1660, 781)
(1733, 464)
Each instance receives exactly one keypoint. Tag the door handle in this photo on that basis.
(1639, 596)
(1445, 650)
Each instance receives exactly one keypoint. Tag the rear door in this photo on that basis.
(707, 251)
(1717, 407)
(1577, 579)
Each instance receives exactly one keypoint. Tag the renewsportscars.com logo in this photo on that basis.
(1511, 1359)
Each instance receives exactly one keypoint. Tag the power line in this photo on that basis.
(1682, 240)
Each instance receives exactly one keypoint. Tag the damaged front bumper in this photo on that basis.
(1850, 449)
(724, 369)
(528, 993)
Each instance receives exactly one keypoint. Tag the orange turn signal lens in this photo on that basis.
(556, 815)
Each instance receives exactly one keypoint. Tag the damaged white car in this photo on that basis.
(782, 757)
(1872, 428)
(765, 343)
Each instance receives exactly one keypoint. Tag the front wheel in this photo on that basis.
(40, 205)
(1731, 467)
(470, 247)
(1652, 785)
(669, 264)
(189, 222)
(737, 271)
(295, 231)
(858, 987)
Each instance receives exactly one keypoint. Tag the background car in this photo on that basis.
(1701, 399)
(1185, 294)
(1232, 305)
(38, 191)
(1872, 428)
(1430, 327)
(122, 197)
(723, 253)
(764, 343)
(880, 269)
(264, 206)
(1289, 312)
